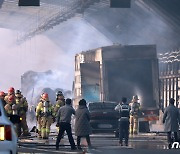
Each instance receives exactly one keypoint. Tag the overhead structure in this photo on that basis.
(168, 9)
(29, 3)
(31, 20)
(120, 3)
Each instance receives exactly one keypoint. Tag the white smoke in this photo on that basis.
(52, 51)
(15, 60)
(53, 81)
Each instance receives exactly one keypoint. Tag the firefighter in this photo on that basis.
(12, 110)
(38, 114)
(124, 113)
(8, 106)
(45, 111)
(135, 110)
(22, 110)
(2, 96)
(60, 101)
(11, 91)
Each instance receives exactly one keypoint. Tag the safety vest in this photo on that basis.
(124, 111)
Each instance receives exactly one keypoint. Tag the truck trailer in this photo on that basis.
(112, 72)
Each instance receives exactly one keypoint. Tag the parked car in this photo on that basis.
(8, 137)
(103, 117)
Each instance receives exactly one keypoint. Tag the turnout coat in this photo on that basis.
(82, 125)
(171, 118)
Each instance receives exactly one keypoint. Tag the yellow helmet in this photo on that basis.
(135, 98)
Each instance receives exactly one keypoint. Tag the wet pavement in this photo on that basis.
(102, 143)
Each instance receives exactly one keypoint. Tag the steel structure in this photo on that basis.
(30, 21)
(169, 72)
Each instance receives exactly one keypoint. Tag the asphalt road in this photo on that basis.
(102, 143)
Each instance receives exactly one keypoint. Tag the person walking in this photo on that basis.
(124, 114)
(82, 125)
(171, 119)
(64, 122)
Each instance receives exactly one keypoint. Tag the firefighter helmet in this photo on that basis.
(135, 98)
(45, 97)
(2, 94)
(59, 93)
(18, 92)
(11, 90)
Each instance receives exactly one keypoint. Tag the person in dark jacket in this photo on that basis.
(82, 125)
(171, 119)
(64, 122)
(124, 112)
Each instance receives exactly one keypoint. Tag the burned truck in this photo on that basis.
(112, 72)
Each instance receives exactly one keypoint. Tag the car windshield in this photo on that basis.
(101, 106)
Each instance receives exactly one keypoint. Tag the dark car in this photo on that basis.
(104, 118)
